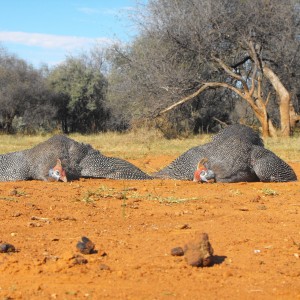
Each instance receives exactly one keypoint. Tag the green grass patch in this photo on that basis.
(235, 192)
(8, 199)
(90, 196)
(269, 192)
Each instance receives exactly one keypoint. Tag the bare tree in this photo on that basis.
(252, 92)
(172, 57)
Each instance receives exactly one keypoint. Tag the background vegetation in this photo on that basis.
(176, 51)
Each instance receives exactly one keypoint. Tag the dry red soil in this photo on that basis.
(254, 229)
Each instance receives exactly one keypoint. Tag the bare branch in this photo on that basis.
(185, 99)
(253, 81)
(227, 69)
(268, 98)
(199, 91)
(241, 62)
(221, 122)
(259, 91)
(226, 85)
(231, 73)
(254, 55)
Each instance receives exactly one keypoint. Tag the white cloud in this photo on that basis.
(51, 41)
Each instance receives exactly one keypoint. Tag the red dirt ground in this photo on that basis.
(254, 229)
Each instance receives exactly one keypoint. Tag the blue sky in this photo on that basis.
(45, 31)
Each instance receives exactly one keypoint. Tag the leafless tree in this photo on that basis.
(176, 51)
(252, 92)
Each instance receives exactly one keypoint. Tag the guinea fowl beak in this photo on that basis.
(63, 177)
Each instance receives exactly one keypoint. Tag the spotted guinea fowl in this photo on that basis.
(78, 160)
(235, 154)
(243, 132)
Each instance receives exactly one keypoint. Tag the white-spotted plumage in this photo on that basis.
(78, 160)
(235, 154)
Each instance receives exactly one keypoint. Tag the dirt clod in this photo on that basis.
(79, 260)
(177, 251)
(85, 246)
(185, 226)
(199, 252)
(6, 248)
(34, 224)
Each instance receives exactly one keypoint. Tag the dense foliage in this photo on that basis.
(80, 92)
(25, 101)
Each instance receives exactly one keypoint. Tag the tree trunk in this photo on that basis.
(254, 97)
(260, 112)
(294, 117)
(284, 103)
(272, 129)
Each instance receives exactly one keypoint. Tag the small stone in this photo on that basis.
(103, 254)
(185, 226)
(79, 260)
(104, 267)
(17, 214)
(50, 258)
(177, 251)
(6, 248)
(130, 189)
(34, 224)
(243, 209)
(85, 246)
(13, 192)
(256, 199)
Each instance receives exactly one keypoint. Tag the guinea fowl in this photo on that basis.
(60, 158)
(235, 154)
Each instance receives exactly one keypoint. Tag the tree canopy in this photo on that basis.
(80, 93)
(24, 97)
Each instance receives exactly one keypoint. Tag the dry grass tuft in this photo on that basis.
(286, 148)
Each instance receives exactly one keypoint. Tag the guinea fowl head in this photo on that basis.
(202, 174)
(58, 173)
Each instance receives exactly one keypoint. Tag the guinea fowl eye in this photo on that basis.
(203, 173)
